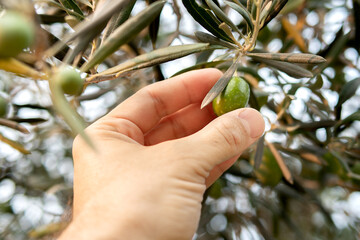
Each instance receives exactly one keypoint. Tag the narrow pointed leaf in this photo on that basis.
(72, 8)
(291, 69)
(243, 12)
(99, 18)
(220, 84)
(19, 68)
(154, 58)
(14, 144)
(290, 57)
(295, 34)
(220, 14)
(154, 27)
(118, 19)
(204, 19)
(259, 152)
(14, 125)
(274, 10)
(208, 38)
(125, 33)
(284, 169)
(348, 90)
(351, 118)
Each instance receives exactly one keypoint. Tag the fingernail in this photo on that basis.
(254, 121)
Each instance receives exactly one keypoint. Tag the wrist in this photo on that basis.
(94, 224)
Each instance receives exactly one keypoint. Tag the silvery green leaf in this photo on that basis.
(291, 69)
(125, 33)
(220, 14)
(153, 58)
(290, 57)
(220, 84)
(208, 38)
(242, 11)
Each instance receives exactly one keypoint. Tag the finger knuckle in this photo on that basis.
(231, 133)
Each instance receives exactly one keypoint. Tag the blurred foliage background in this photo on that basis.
(300, 181)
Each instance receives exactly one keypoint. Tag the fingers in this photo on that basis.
(180, 124)
(148, 106)
(223, 139)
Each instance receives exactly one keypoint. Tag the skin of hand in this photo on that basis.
(156, 153)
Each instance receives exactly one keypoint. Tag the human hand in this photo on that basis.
(157, 152)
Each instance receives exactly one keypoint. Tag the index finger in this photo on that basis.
(149, 105)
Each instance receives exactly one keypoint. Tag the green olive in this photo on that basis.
(69, 80)
(16, 33)
(3, 107)
(234, 96)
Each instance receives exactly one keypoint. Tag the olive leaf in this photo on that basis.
(351, 118)
(259, 152)
(97, 20)
(291, 69)
(118, 19)
(14, 144)
(14, 125)
(290, 57)
(347, 91)
(274, 10)
(242, 11)
(72, 9)
(19, 68)
(280, 161)
(221, 15)
(153, 58)
(204, 19)
(208, 38)
(220, 84)
(125, 33)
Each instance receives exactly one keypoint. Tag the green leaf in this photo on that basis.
(14, 144)
(153, 58)
(242, 11)
(125, 33)
(208, 38)
(274, 10)
(290, 57)
(259, 152)
(204, 19)
(353, 117)
(220, 84)
(291, 69)
(348, 90)
(118, 19)
(97, 20)
(72, 8)
(318, 83)
(220, 14)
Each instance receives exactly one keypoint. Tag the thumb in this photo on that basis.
(225, 137)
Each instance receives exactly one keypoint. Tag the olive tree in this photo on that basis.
(65, 63)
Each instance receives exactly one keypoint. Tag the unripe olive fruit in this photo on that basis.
(16, 33)
(69, 80)
(3, 107)
(234, 96)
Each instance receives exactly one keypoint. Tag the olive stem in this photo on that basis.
(251, 45)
